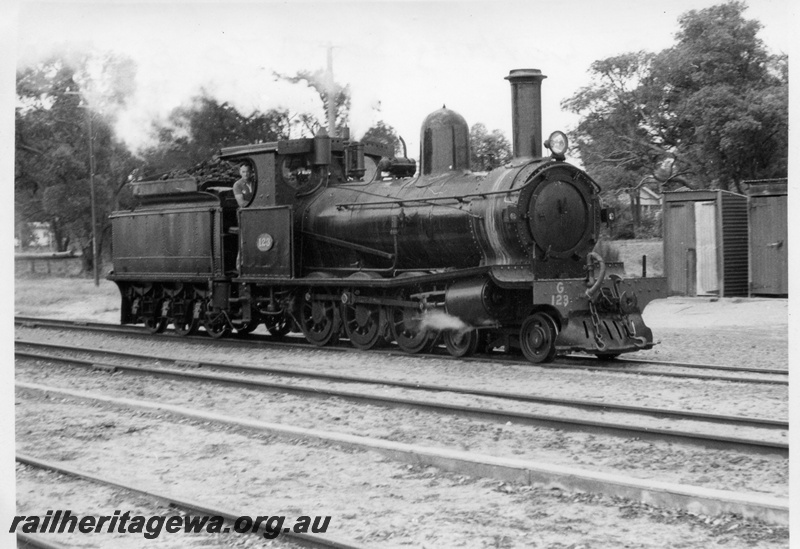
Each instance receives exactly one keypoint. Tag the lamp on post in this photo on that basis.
(95, 258)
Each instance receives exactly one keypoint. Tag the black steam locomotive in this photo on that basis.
(341, 238)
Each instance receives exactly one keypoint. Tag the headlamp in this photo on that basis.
(558, 144)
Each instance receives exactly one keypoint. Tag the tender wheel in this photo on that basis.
(187, 325)
(362, 324)
(185, 328)
(217, 325)
(155, 325)
(405, 325)
(247, 327)
(461, 343)
(278, 325)
(537, 338)
(319, 320)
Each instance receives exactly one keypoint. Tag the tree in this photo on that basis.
(487, 150)
(52, 163)
(715, 105)
(326, 88)
(386, 134)
(194, 133)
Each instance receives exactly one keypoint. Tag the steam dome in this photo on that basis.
(444, 142)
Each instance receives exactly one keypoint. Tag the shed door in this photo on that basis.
(679, 248)
(768, 245)
(705, 214)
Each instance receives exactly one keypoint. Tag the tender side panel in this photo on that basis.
(167, 243)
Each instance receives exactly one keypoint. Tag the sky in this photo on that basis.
(402, 60)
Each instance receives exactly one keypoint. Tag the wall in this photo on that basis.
(70, 266)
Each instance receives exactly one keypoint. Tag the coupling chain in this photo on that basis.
(631, 325)
(598, 337)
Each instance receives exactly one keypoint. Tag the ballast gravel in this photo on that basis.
(648, 459)
(372, 500)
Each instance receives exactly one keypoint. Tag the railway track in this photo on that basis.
(303, 540)
(706, 423)
(662, 494)
(771, 376)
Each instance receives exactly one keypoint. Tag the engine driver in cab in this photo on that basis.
(243, 188)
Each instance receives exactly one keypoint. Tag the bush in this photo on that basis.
(607, 251)
(623, 227)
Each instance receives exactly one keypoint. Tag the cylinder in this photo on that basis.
(475, 301)
(526, 111)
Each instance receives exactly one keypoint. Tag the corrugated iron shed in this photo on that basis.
(706, 243)
(769, 247)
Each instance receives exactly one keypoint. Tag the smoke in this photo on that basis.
(440, 320)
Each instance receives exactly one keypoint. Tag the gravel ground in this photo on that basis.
(40, 489)
(45, 372)
(768, 401)
(378, 502)
(665, 461)
(733, 331)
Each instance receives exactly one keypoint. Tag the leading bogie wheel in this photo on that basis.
(537, 338)
(461, 342)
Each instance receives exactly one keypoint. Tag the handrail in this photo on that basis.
(404, 201)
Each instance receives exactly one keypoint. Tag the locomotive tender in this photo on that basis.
(342, 238)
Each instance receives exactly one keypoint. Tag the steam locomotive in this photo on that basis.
(344, 239)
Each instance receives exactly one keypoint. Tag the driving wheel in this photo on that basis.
(362, 323)
(319, 320)
(408, 331)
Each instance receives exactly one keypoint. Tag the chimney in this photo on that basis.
(526, 111)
